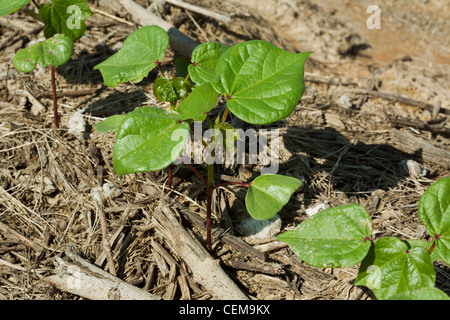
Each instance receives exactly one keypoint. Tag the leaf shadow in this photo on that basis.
(80, 67)
(337, 170)
(116, 103)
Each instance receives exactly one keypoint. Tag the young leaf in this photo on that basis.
(9, 6)
(54, 51)
(268, 194)
(427, 293)
(171, 90)
(148, 139)
(204, 59)
(181, 67)
(335, 237)
(109, 124)
(434, 211)
(66, 17)
(395, 266)
(427, 245)
(201, 100)
(263, 83)
(137, 57)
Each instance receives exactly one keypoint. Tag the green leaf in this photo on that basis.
(181, 67)
(137, 57)
(395, 266)
(171, 89)
(9, 6)
(110, 124)
(54, 51)
(268, 194)
(204, 59)
(148, 139)
(427, 245)
(335, 237)
(434, 211)
(427, 293)
(66, 17)
(263, 83)
(201, 100)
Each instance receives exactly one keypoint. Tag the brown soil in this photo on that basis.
(340, 140)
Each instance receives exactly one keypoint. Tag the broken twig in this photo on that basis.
(78, 276)
(205, 269)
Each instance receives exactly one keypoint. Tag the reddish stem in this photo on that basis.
(209, 192)
(436, 237)
(55, 105)
(190, 166)
(158, 63)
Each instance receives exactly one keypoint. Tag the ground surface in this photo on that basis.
(342, 140)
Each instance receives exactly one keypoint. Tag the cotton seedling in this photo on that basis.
(63, 24)
(392, 268)
(260, 82)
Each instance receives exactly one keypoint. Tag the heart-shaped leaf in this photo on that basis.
(427, 293)
(137, 57)
(335, 237)
(54, 51)
(394, 266)
(109, 124)
(263, 83)
(9, 6)
(148, 139)
(434, 211)
(268, 194)
(204, 59)
(171, 89)
(201, 100)
(66, 17)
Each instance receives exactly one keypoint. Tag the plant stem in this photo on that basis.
(190, 166)
(209, 192)
(186, 79)
(55, 105)
(35, 3)
(432, 246)
(225, 114)
(436, 237)
(158, 63)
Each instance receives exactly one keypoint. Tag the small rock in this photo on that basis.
(49, 187)
(107, 191)
(97, 194)
(333, 119)
(414, 168)
(312, 210)
(110, 190)
(260, 229)
(344, 101)
(77, 125)
(43, 184)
